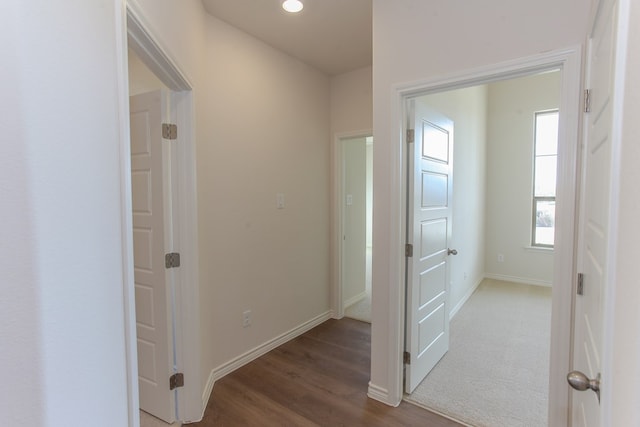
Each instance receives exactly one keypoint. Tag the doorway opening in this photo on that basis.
(150, 68)
(499, 287)
(568, 62)
(353, 219)
(357, 226)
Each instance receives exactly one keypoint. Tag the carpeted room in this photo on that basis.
(497, 367)
(494, 156)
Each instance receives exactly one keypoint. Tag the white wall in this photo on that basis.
(512, 107)
(626, 324)
(468, 110)
(62, 307)
(264, 118)
(416, 40)
(352, 101)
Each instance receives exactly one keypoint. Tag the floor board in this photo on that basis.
(317, 379)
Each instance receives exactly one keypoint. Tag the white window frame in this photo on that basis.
(536, 199)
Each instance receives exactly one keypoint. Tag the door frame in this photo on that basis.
(134, 31)
(570, 62)
(339, 216)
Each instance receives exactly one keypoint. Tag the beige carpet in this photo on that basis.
(496, 372)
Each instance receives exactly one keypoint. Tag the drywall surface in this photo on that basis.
(415, 41)
(468, 110)
(62, 306)
(626, 323)
(265, 119)
(352, 101)
(512, 108)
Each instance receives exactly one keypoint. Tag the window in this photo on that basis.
(544, 178)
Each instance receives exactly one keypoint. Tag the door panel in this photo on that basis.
(153, 322)
(434, 190)
(428, 230)
(593, 260)
(432, 284)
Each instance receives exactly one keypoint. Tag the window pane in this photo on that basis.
(545, 222)
(435, 142)
(546, 133)
(545, 174)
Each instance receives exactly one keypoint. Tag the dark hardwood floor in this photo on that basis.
(317, 379)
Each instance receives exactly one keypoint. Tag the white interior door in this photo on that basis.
(429, 214)
(593, 254)
(151, 241)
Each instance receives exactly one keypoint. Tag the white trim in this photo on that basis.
(569, 60)
(407, 399)
(517, 279)
(128, 287)
(464, 299)
(154, 55)
(355, 299)
(609, 306)
(251, 355)
(337, 217)
(138, 36)
(380, 394)
(208, 389)
(539, 249)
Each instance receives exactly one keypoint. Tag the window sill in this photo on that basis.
(538, 249)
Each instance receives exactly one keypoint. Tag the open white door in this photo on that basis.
(594, 256)
(151, 241)
(429, 213)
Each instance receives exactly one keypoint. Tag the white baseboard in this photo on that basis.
(238, 362)
(355, 299)
(515, 279)
(380, 394)
(464, 299)
(208, 389)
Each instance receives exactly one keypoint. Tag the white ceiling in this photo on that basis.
(333, 36)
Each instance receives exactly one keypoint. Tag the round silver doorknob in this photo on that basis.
(452, 252)
(581, 382)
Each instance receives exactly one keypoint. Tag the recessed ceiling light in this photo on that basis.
(292, 6)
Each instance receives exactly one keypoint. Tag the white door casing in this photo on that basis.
(137, 34)
(152, 233)
(596, 218)
(429, 210)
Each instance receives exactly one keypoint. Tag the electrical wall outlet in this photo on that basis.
(246, 318)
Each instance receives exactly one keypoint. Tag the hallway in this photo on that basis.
(317, 379)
